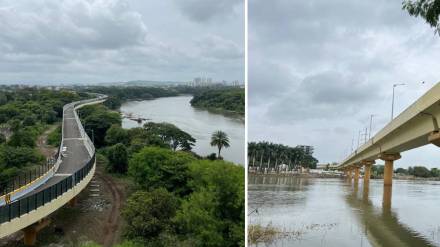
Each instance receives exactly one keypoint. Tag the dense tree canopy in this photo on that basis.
(169, 133)
(118, 158)
(121, 93)
(154, 167)
(213, 215)
(25, 112)
(148, 214)
(270, 155)
(97, 120)
(229, 99)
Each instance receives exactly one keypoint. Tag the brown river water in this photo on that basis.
(336, 212)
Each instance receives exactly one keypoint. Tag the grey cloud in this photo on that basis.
(333, 88)
(325, 95)
(109, 40)
(50, 28)
(269, 81)
(205, 10)
(334, 63)
(217, 47)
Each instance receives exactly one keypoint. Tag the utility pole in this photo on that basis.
(371, 122)
(392, 102)
(352, 143)
(365, 139)
(359, 138)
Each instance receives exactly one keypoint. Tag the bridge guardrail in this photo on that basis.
(29, 203)
(25, 178)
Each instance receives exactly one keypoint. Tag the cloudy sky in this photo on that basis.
(120, 40)
(318, 69)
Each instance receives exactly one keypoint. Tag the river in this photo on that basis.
(335, 212)
(198, 123)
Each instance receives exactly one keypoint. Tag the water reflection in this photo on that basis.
(381, 225)
(359, 215)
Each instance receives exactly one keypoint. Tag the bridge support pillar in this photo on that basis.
(388, 169)
(434, 138)
(349, 173)
(73, 202)
(356, 174)
(367, 171)
(386, 201)
(30, 236)
(30, 232)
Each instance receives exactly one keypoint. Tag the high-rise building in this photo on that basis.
(307, 149)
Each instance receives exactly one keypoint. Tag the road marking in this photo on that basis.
(62, 174)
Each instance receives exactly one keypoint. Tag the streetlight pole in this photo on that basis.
(392, 103)
(371, 122)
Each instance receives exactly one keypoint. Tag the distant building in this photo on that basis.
(322, 166)
(236, 83)
(307, 149)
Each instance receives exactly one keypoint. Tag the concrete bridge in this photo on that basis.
(28, 207)
(417, 126)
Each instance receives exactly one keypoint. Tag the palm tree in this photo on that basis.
(219, 139)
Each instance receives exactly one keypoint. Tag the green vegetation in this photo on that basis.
(219, 139)
(149, 215)
(154, 167)
(54, 137)
(171, 135)
(416, 171)
(97, 119)
(270, 155)
(178, 199)
(419, 171)
(117, 158)
(24, 114)
(118, 93)
(428, 10)
(229, 99)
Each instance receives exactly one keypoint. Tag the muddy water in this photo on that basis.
(198, 123)
(335, 212)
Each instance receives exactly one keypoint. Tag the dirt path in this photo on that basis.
(45, 149)
(114, 218)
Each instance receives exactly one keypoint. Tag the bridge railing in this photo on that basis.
(25, 205)
(25, 178)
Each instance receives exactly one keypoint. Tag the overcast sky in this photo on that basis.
(120, 40)
(319, 68)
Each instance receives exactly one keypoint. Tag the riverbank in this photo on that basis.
(297, 175)
(200, 124)
(227, 99)
(326, 175)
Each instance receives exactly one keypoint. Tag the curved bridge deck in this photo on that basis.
(76, 168)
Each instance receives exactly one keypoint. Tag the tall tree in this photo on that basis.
(220, 139)
(171, 134)
(427, 9)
